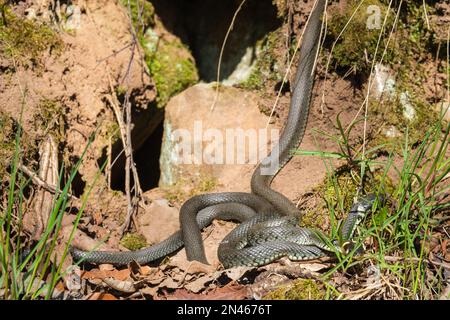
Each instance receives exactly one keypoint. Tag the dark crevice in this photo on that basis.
(146, 159)
(203, 24)
(78, 185)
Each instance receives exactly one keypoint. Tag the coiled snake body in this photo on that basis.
(269, 228)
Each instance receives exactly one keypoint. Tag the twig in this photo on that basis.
(41, 183)
(219, 64)
(109, 168)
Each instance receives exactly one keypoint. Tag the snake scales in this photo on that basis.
(269, 228)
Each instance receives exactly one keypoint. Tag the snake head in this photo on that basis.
(348, 246)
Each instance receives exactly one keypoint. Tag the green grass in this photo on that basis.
(37, 274)
(398, 231)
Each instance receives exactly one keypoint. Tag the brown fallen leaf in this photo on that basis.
(120, 275)
(191, 267)
(120, 285)
(234, 292)
(102, 296)
(169, 283)
(199, 284)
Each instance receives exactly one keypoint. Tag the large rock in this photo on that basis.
(224, 143)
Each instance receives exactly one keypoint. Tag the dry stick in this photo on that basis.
(109, 168)
(127, 150)
(221, 53)
(41, 183)
(426, 15)
(130, 165)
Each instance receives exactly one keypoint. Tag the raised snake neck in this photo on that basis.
(297, 119)
(263, 201)
(280, 155)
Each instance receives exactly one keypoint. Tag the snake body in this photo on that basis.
(269, 221)
(268, 168)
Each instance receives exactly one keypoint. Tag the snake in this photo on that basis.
(268, 228)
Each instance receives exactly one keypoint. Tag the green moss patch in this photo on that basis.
(142, 14)
(356, 48)
(133, 241)
(300, 289)
(187, 188)
(26, 41)
(171, 66)
(266, 66)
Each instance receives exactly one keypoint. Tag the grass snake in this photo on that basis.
(269, 221)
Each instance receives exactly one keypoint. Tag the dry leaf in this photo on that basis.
(102, 296)
(120, 275)
(235, 292)
(123, 286)
(236, 273)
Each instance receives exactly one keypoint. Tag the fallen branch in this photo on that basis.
(41, 183)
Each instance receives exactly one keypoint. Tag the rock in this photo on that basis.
(384, 81)
(385, 84)
(392, 132)
(409, 111)
(224, 143)
(158, 221)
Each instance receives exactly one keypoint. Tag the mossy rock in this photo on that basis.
(142, 14)
(356, 48)
(25, 40)
(171, 65)
(300, 289)
(391, 114)
(133, 241)
(266, 67)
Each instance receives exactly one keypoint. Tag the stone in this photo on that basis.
(158, 221)
(224, 143)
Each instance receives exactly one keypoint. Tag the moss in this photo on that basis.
(170, 63)
(26, 41)
(300, 289)
(266, 66)
(187, 188)
(314, 219)
(51, 118)
(414, 43)
(282, 7)
(133, 241)
(391, 113)
(171, 66)
(112, 132)
(142, 14)
(355, 49)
